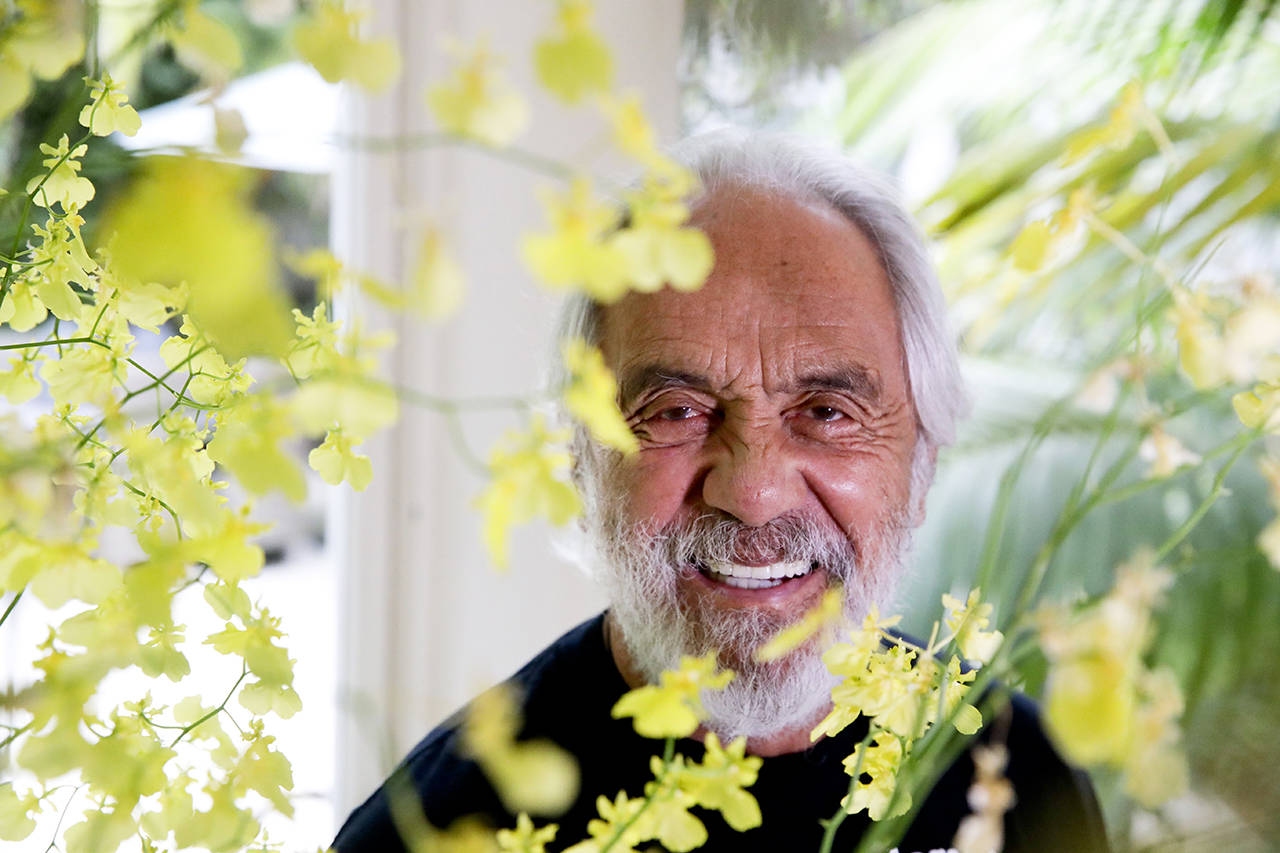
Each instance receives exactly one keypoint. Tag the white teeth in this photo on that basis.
(747, 583)
(775, 572)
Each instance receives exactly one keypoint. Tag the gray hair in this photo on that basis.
(733, 158)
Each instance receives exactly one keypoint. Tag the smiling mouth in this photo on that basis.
(756, 577)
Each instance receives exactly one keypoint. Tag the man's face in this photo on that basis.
(772, 404)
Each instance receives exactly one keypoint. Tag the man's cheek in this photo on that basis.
(858, 491)
(655, 489)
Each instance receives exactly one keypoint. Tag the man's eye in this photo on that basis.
(826, 413)
(665, 424)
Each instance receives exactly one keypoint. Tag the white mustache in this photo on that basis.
(718, 538)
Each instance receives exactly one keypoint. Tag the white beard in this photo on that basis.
(640, 570)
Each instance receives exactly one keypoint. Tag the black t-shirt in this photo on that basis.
(571, 687)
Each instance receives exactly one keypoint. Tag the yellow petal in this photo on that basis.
(192, 220)
(438, 284)
(573, 66)
(1031, 246)
(207, 44)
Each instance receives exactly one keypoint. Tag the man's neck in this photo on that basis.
(778, 743)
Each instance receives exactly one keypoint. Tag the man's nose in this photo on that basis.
(755, 481)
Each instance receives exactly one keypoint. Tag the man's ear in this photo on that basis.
(925, 482)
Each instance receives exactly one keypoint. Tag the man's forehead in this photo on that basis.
(797, 297)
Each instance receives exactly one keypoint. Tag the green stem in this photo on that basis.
(61, 817)
(832, 824)
(668, 752)
(447, 405)
(54, 342)
(459, 438)
(26, 265)
(193, 581)
(1123, 493)
(98, 319)
(156, 382)
(1004, 496)
(92, 59)
(177, 523)
(244, 671)
(173, 407)
(525, 159)
(153, 724)
(12, 604)
(143, 34)
(1108, 429)
(1065, 523)
(7, 283)
(15, 734)
(1242, 442)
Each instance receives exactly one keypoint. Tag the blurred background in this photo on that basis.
(971, 105)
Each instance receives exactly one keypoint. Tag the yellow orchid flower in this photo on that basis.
(673, 707)
(591, 396)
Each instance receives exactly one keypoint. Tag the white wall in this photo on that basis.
(425, 621)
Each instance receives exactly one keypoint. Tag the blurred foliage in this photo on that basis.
(975, 104)
(738, 55)
(1180, 203)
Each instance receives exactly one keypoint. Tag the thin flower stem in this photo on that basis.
(96, 320)
(518, 156)
(21, 229)
(832, 824)
(244, 671)
(26, 265)
(453, 409)
(86, 439)
(62, 815)
(153, 724)
(193, 581)
(1128, 249)
(1066, 522)
(1210, 499)
(177, 523)
(447, 405)
(92, 58)
(159, 381)
(1161, 136)
(12, 604)
(668, 752)
(921, 748)
(15, 734)
(156, 382)
(1108, 429)
(55, 342)
(459, 438)
(1123, 493)
(1004, 495)
(142, 35)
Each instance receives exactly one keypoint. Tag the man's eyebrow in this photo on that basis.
(857, 381)
(649, 377)
(860, 382)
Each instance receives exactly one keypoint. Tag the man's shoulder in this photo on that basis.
(450, 784)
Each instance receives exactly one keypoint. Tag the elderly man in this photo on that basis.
(789, 415)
